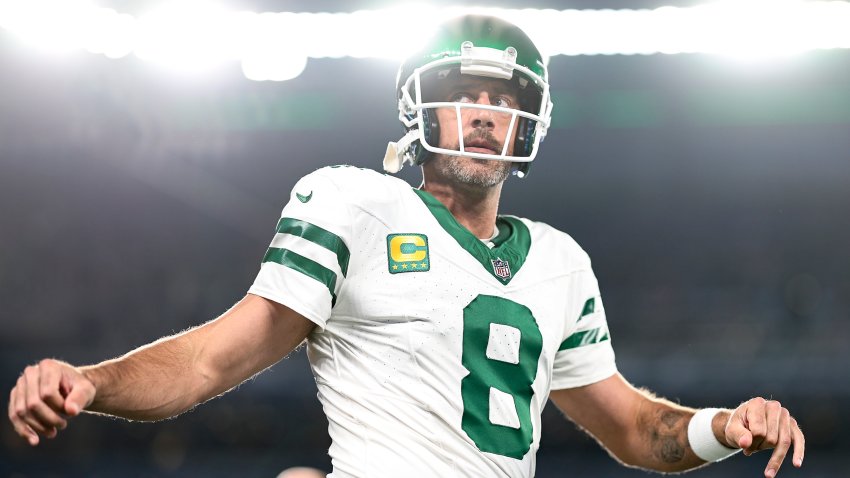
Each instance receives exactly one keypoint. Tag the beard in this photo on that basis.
(483, 173)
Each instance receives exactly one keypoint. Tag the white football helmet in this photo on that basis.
(472, 45)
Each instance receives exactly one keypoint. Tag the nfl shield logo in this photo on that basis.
(501, 268)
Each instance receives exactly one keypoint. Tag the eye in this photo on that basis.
(462, 98)
(503, 101)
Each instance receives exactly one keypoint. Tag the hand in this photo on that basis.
(45, 396)
(760, 424)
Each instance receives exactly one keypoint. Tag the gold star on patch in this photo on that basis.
(395, 268)
(423, 265)
(404, 266)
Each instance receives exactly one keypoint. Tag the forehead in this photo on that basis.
(445, 83)
(492, 85)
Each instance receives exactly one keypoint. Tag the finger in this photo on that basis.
(27, 433)
(799, 443)
(49, 377)
(773, 424)
(17, 408)
(80, 394)
(783, 444)
(40, 417)
(755, 420)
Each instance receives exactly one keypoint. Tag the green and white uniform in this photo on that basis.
(434, 353)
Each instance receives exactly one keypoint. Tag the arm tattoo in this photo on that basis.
(666, 434)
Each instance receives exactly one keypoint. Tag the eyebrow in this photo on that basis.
(491, 86)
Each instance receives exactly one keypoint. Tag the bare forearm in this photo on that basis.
(663, 435)
(162, 379)
(150, 383)
(176, 373)
(647, 432)
(661, 438)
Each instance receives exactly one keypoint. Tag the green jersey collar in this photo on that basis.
(511, 244)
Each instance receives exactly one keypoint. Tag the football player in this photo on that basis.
(436, 328)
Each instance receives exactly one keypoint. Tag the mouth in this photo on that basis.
(480, 146)
(479, 150)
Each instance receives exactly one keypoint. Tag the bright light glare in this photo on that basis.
(268, 65)
(752, 28)
(193, 35)
(110, 33)
(187, 36)
(272, 50)
(47, 24)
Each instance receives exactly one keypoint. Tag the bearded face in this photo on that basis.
(484, 131)
(483, 173)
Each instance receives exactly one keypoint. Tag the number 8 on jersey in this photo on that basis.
(501, 346)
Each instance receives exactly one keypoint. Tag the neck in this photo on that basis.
(473, 207)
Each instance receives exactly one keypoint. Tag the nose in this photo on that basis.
(482, 118)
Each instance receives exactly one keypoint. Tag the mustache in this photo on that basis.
(483, 137)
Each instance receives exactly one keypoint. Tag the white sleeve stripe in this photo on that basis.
(304, 265)
(318, 235)
(310, 250)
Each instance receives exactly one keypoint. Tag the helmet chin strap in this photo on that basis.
(399, 152)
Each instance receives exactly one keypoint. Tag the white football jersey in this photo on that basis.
(434, 352)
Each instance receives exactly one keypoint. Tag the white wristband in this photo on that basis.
(702, 439)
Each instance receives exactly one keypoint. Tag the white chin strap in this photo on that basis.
(399, 152)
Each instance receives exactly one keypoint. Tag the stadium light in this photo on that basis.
(188, 36)
(272, 50)
(275, 46)
(110, 33)
(47, 24)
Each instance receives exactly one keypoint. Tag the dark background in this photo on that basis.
(712, 194)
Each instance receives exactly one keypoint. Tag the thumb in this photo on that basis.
(744, 439)
(737, 433)
(80, 395)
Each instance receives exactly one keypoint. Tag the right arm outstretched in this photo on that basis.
(161, 379)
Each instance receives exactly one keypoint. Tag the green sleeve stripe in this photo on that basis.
(306, 266)
(316, 234)
(589, 307)
(586, 337)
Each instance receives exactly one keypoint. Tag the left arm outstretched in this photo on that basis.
(648, 432)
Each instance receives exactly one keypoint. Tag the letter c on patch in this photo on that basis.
(416, 249)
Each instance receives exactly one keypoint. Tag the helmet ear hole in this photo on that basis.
(431, 125)
(524, 137)
(431, 133)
